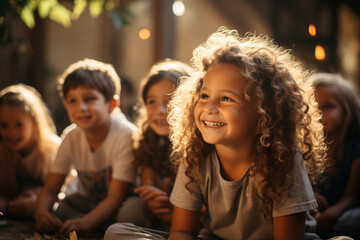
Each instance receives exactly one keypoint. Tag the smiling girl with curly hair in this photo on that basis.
(245, 132)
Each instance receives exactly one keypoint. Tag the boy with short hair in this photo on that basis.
(98, 145)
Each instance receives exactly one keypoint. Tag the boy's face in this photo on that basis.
(87, 108)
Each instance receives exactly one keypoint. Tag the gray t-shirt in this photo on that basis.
(233, 209)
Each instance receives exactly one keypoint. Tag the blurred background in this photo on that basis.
(40, 38)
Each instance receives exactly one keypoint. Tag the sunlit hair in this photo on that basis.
(92, 74)
(26, 99)
(288, 119)
(346, 95)
(151, 149)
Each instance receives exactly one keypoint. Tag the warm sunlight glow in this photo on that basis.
(319, 53)
(178, 8)
(312, 30)
(144, 34)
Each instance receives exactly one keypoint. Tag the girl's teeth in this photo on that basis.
(213, 124)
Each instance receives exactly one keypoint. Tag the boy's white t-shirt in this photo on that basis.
(113, 159)
(233, 209)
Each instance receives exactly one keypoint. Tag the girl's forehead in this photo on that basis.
(12, 113)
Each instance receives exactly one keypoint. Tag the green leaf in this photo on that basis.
(95, 7)
(44, 7)
(27, 16)
(61, 14)
(79, 6)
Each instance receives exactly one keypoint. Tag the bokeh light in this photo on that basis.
(312, 30)
(320, 53)
(178, 8)
(144, 34)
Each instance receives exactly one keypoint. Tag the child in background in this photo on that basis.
(339, 197)
(28, 144)
(152, 149)
(245, 129)
(98, 145)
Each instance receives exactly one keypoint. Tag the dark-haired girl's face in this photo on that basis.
(157, 99)
(17, 128)
(332, 111)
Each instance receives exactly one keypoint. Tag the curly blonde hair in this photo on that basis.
(148, 146)
(288, 119)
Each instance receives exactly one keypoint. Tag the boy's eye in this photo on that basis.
(70, 101)
(18, 124)
(89, 99)
(3, 125)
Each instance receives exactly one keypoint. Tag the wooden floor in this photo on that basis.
(25, 230)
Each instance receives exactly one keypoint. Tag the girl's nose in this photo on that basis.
(162, 108)
(212, 109)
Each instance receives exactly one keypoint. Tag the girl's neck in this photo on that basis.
(28, 149)
(234, 162)
(96, 137)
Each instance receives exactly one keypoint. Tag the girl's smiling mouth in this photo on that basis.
(213, 124)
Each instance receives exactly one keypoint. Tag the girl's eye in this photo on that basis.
(227, 99)
(326, 106)
(18, 124)
(3, 125)
(204, 96)
(150, 102)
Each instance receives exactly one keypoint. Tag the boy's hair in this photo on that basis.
(288, 119)
(27, 99)
(93, 74)
(147, 149)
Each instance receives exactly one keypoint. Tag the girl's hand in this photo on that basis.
(325, 222)
(149, 192)
(160, 205)
(78, 225)
(47, 222)
(322, 203)
(24, 205)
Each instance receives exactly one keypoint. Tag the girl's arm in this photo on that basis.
(185, 224)
(156, 198)
(290, 227)
(351, 197)
(148, 176)
(45, 220)
(106, 209)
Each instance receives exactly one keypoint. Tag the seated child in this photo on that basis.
(244, 130)
(98, 145)
(339, 197)
(28, 144)
(152, 148)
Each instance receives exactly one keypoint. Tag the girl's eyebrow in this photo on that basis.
(232, 91)
(226, 91)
